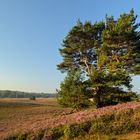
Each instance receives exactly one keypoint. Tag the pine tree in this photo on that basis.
(107, 52)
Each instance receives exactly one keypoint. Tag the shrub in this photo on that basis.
(119, 123)
(32, 98)
(75, 130)
(21, 136)
(124, 114)
(39, 135)
(137, 123)
(57, 133)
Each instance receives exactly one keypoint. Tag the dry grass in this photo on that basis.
(19, 113)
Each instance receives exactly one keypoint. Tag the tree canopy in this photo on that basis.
(107, 52)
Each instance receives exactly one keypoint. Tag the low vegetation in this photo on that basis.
(107, 122)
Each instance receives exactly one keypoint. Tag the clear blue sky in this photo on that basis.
(31, 31)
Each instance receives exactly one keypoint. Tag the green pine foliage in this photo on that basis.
(72, 91)
(108, 53)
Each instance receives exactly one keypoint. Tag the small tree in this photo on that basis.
(72, 91)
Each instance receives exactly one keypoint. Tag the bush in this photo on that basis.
(57, 133)
(119, 123)
(124, 115)
(39, 135)
(21, 137)
(32, 98)
(75, 130)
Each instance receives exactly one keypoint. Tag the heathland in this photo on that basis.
(45, 119)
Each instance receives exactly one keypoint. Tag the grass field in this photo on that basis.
(19, 113)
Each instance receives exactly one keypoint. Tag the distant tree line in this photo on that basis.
(19, 94)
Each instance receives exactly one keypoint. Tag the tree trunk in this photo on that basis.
(98, 100)
(97, 97)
